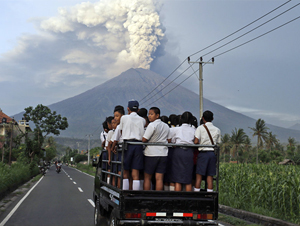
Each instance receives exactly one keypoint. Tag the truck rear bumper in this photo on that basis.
(166, 221)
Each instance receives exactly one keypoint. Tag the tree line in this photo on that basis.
(237, 146)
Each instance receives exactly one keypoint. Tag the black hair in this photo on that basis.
(165, 119)
(173, 120)
(208, 116)
(105, 126)
(156, 110)
(119, 109)
(143, 112)
(195, 122)
(109, 119)
(187, 117)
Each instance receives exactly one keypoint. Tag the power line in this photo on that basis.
(257, 37)
(210, 52)
(166, 85)
(252, 30)
(240, 29)
(164, 80)
(175, 86)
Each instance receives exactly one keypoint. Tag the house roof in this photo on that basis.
(2, 115)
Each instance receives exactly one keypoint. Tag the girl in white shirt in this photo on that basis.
(182, 159)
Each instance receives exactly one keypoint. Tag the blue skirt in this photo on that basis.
(182, 165)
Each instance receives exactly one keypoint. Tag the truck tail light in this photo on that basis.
(133, 215)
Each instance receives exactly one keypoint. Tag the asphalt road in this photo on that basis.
(57, 199)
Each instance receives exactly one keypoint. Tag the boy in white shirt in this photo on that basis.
(206, 161)
(155, 156)
(132, 129)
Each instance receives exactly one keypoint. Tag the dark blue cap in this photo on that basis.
(133, 104)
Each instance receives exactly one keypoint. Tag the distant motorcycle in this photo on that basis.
(58, 168)
(42, 170)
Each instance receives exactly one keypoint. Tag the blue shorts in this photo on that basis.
(105, 166)
(206, 163)
(134, 157)
(155, 164)
(116, 157)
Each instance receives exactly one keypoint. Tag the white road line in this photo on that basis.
(79, 188)
(92, 203)
(19, 203)
(71, 179)
(85, 173)
(74, 182)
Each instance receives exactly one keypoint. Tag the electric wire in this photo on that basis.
(175, 86)
(240, 28)
(166, 85)
(227, 52)
(257, 37)
(164, 80)
(214, 50)
(251, 30)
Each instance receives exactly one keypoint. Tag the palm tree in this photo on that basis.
(272, 141)
(260, 130)
(238, 138)
(225, 145)
(247, 146)
(291, 145)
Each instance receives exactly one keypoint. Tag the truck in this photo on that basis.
(130, 207)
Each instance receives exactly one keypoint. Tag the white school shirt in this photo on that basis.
(109, 136)
(183, 134)
(172, 134)
(203, 136)
(103, 136)
(132, 126)
(117, 135)
(157, 132)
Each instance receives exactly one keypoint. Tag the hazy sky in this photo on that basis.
(53, 50)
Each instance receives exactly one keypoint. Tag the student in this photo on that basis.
(206, 161)
(182, 158)
(108, 145)
(155, 156)
(103, 136)
(144, 114)
(117, 137)
(132, 129)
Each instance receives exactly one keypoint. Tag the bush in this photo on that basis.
(16, 174)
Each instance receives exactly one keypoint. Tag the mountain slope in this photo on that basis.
(87, 111)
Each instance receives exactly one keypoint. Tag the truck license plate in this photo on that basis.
(167, 219)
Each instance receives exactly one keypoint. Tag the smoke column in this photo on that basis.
(122, 33)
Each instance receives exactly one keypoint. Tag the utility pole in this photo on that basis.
(201, 81)
(77, 146)
(11, 136)
(89, 135)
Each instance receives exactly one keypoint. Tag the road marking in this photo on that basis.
(79, 188)
(92, 203)
(85, 173)
(74, 182)
(71, 179)
(19, 203)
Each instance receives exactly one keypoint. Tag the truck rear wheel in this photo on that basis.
(97, 215)
(113, 220)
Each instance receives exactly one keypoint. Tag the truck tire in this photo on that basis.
(113, 220)
(97, 215)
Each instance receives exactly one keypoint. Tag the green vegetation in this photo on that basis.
(237, 147)
(28, 148)
(16, 174)
(271, 190)
(86, 168)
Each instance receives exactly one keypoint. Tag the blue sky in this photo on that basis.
(50, 51)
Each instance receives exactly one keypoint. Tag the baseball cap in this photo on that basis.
(133, 104)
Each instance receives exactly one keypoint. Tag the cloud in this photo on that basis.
(87, 43)
(265, 114)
